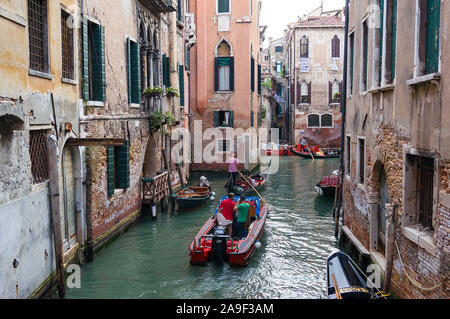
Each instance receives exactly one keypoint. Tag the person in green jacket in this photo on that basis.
(242, 208)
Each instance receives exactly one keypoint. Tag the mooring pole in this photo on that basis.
(169, 182)
(89, 241)
(53, 185)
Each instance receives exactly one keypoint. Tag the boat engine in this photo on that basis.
(219, 245)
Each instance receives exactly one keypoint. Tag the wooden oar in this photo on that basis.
(336, 289)
(309, 149)
(254, 189)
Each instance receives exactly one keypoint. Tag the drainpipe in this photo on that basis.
(89, 237)
(343, 112)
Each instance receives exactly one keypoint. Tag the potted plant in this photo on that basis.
(156, 120)
(171, 92)
(169, 118)
(153, 91)
(263, 112)
(337, 97)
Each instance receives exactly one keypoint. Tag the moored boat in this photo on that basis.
(243, 188)
(327, 186)
(212, 243)
(193, 196)
(324, 154)
(346, 281)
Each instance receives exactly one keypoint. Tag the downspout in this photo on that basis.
(343, 115)
(293, 98)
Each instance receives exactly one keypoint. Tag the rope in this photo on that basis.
(413, 281)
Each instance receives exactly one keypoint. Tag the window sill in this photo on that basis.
(117, 192)
(224, 92)
(95, 103)
(39, 74)
(304, 104)
(69, 81)
(335, 104)
(423, 239)
(134, 105)
(384, 88)
(39, 187)
(424, 79)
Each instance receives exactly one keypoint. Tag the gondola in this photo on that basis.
(242, 187)
(316, 155)
(345, 280)
(327, 186)
(212, 242)
(192, 196)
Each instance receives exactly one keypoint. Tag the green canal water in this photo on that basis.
(151, 260)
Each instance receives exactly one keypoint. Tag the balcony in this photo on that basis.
(162, 6)
(155, 189)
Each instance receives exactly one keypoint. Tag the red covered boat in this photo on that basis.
(212, 242)
(280, 150)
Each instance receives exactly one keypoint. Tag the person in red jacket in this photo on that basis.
(224, 216)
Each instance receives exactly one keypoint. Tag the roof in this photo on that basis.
(319, 21)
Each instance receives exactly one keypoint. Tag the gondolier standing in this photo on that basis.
(232, 170)
(303, 144)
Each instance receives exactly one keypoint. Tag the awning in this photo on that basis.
(95, 142)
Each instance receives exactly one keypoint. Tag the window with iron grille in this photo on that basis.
(38, 156)
(67, 47)
(38, 35)
(361, 160)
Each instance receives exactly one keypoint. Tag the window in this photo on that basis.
(38, 156)
(351, 62)
(223, 119)
(304, 47)
(364, 56)
(428, 37)
(252, 74)
(361, 160)
(223, 146)
(38, 35)
(118, 167)
(348, 150)
(279, 48)
(259, 79)
(223, 6)
(94, 80)
(67, 47)
(334, 91)
(419, 196)
(387, 41)
(313, 120)
(224, 68)
(180, 11)
(304, 92)
(335, 47)
(133, 72)
(326, 120)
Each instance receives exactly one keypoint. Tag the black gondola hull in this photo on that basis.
(309, 156)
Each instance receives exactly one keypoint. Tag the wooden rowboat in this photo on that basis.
(296, 151)
(193, 196)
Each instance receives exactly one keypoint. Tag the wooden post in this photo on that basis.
(89, 241)
(390, 248)
(180, 174)
(52, 149)
(166, 165)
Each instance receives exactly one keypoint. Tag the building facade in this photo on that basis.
(225, 78)
(314, 58)
(396, 186)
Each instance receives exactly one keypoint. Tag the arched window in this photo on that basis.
(305, 94)
(326, 120)
(335, 89)
(313, 120)
(335, 47)
(304, 47)
(224, 67)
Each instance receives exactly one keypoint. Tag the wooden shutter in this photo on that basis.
(123, 166)
(259, 79)
(380, 65)
(181, 83)
(299, 93)
(128, 45)
(216, 74)
(252, 120)
(85, 50)
(223, 6)
(330, 92)
(432, 43)
(98, 63)
(135, 73)
(231, 73)
(110, 169)
(394, 38)
(231, 119)
(309, 92)
(216, 119)
(252, 74)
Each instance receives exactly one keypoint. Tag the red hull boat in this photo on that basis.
(211, 241)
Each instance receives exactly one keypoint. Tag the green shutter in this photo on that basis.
(123, 166)
(231, 59)
(259, 79)
(216, 119)
(231, 119)
(181, 83)
(216, 74)
(223, 6)
(128, 44)
(103, 63)
(394, 38)
(432, 44)
(135, 73)
(381, 40)
(252, 120)
(166, 61)
(98, 63)
(110, 169)
(85, 49)
(252, 74)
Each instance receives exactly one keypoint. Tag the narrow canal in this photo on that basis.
(152, 259)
